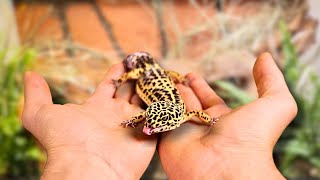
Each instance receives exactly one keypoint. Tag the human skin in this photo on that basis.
(87, 141)
(240, 144)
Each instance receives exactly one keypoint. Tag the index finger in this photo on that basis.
(106, 88)
(203, 91)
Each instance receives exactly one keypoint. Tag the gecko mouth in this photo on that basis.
(149, 131)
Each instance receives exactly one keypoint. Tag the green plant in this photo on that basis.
(300, 143)
(19, 155)
(233, 95)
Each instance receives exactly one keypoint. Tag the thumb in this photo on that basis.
(271, 113)
(275, 108)
(268, 77)
(271, 86)
(36, 95)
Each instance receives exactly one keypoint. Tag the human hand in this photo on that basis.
(87, 140)
(240, 144)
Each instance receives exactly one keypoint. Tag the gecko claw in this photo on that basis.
(185, 82)
(213, 121)
(129, 123)
(116, 83)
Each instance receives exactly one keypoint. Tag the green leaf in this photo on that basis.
(298, 148)
(35, 153)
(10, 126)
(20, 141)
(315, 161)
(291, 71)
(18, 150)
(234, 92)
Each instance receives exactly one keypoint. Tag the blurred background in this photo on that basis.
(72, 44)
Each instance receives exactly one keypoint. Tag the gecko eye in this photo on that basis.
(130, 62)
(137, 60)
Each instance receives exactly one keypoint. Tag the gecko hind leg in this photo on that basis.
(202, 116)
(133, 122)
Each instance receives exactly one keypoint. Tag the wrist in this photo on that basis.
(251, 166)
(245, 160)
(71, 165)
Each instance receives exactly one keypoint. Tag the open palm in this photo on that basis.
(89, 135)
(240, 144)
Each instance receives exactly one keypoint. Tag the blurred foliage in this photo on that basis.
(300, 144)
(19, 155)
(232, 94)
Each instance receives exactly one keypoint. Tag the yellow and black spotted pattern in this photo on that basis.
(156, 87)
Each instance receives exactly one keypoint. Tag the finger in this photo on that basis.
(218, 110)
(136, 100)
(268, 77)
(203, 91)
(125, 91)
(271, 85)
(36, 95)
(106, 88)
(189, 131)
(275, 107)
(189, 98)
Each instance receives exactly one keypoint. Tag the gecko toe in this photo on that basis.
(213, 121)
(186, 82)
(129, 123)
(116, 83)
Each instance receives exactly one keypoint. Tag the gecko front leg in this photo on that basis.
(133, 74)
(177, 77)
(202, 116)
(133, 122)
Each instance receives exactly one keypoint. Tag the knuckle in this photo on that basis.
(25, 118)
(293, 106)
(46, 112)
(289, 106)
(30, 117)
(43, 112)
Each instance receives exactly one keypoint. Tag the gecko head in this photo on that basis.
(137, 60)
(162, 116)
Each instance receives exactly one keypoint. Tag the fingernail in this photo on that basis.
(32, 78)
(27, 76)
(266, 55)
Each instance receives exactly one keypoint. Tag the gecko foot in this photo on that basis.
(185, 82)
(129, 123)
(116, 83)
(213, 121)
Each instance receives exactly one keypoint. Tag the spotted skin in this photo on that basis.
(156, 87)
(135, 120)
